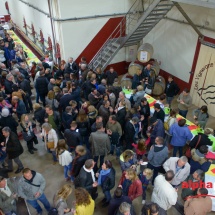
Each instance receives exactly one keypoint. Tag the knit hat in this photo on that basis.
(5, 112)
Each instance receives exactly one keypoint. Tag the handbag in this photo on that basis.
(148, 91)
(50, 145)
(27, 137)
(188, 151)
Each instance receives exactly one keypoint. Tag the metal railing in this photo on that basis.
(115, 40)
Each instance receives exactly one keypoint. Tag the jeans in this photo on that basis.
(169, 100)
(17, 161)
(118, 150)
(3, 156)
(107, 195)
(183, 113)
(42, 199)
(96, 158)
(53, 155)
(156, 171)
(66, 170)
(176, 149)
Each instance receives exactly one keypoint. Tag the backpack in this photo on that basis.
(54, 211)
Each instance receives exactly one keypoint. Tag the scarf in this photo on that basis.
(92, 173)
(103, 173)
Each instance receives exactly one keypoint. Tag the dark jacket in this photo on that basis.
(64, 101)
(57, 119)
(101, 89)
(204, 140)
(109, 181)
(8, 87)
(110, 77)
(67, 120)
(145, 111)
(84, 128)
(93, 101)
(172, 89)
(115, 202)
(129, 132)
(21, 109)
(86, 181)
(120, 117)
(88, 87)
(76, 94)
(25, 73)
(136, 81)
(10, 122)
(13, 146)
(72, 137)
(157, 130)
(78, 163)
(45, 65)
(26, 86)
(72, 69)
(41, 85)
(39, 115)
(105, 113)
(159, 115)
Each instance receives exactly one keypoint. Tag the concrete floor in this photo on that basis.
(41, 162)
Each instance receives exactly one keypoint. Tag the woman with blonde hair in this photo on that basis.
(60, 200)
(50, 138)
(28, 132)
(127, 159)
(92, 114)
(84, 203)
(131, 184)
(51, 101)
(64, 157)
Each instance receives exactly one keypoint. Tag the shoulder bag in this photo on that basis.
(188, 151)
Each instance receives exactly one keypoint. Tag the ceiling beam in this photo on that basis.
(202, 3)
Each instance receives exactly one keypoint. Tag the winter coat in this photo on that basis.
(158, 130)
(21, 109)
(180, 135)
(129, 132)
(8, 87)
(115, 202)
(181, 175)
(100, 143)
(67, 120)
(135, 188)
(164, 194)
(72, 137)
(78, 163)
(204, 140)
(41, 85)
(172, 89)
(120, 116)
(126, 164)
(110, 77)
(26, 86)
(84, 127)
(13, 146)
(64, 101)
(39, 115)
(10, 122)
(109, 181)
(8, 203)
(27, 191)
(136, 81)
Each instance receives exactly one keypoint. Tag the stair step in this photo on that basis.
(158, 9)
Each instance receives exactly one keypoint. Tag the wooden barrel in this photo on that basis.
(145, 52)
(126, 82)
(156, 68)
(133, 68)
(159, 86)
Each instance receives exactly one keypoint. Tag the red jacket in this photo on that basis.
(135, 188)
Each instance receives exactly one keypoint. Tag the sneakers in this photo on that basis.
(143, 202)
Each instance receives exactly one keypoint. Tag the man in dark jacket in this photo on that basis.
(94, 97)
(88, 86)
(8, 84)
(45, 65)
(65, 99)
(72, 136)
(86, 179)
(129, 132)
(102, 86)
(157, 129)
(116, 201)
(159, 113)
(24, 71)
(13, 149)
(71, 66)
(171, 90)
(105, 111)
(111, 75)
(25, 85)
(19, 107)
(41, 87)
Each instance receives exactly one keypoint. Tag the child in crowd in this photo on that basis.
(145, 178)
(64, 157)
(140, 148)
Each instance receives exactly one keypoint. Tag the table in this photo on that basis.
(193, 128)
(31, 57)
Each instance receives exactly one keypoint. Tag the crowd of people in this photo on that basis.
(84, 118)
